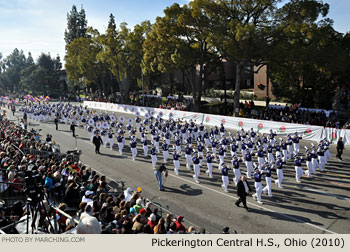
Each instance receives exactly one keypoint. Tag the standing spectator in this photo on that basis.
(340, 148)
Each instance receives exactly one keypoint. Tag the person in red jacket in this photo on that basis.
(179, 225)
(152, 221)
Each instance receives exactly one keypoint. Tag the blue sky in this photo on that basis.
(38, 25)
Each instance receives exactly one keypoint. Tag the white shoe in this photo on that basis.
(254, 197)
(210, 176)
(260, 202)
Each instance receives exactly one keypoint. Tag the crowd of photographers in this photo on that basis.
(75, 188)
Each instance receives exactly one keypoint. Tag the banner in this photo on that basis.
(308, 132)
(333, 134)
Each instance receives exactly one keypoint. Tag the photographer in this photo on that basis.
(158, 173)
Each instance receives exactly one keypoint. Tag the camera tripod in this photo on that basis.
(36, 206)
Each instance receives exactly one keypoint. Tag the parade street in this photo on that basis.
(315, 206)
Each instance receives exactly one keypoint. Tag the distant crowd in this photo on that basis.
(290, 114)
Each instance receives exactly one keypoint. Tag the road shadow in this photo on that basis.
(284, 217)
(184, 189)
(113, 156)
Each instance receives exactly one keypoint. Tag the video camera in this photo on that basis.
(33, 186)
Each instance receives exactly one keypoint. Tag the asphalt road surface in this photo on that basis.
(315, 206)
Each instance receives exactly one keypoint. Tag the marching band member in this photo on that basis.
(221, 156)
(196, 169)
(261, 159)
(213, 147)
(209, 158)
(188, 156)
(200, 149)
(279, 170)
(176, 161)
(236, 170)
(233, 147)
(110, 139)
(145, 147)
(309, 165)
(284, 151)
(133, 148)
(267, 189)
(321, 158)
(258, 185)
(249, 163)
(269, 154)
(165, 148)
(252, 135)
(224, 176)
(120, 143)
(272, 138)
(222, 130)
(296, 145)
(154, 156)
(298, 170)
(178, 146)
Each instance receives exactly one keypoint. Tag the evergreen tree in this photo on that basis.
(76, 25)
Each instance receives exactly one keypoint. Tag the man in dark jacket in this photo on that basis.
(72, 128)
(243, 190)
(56, 122)
(340, 148)
(97, 142)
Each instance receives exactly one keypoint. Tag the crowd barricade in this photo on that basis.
(308, 132)
(74, 156)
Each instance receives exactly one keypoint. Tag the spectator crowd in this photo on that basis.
(290, 114)
(75, 188)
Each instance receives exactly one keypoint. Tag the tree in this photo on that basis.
(116, 54)
(42, 77)
(76, 25)
(179, 40)
(241, 34)
(308, 58)
(13, 64)
(81, 61)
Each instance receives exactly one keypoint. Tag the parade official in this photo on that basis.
(97, 141)
(340, 148)
(243, 190)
